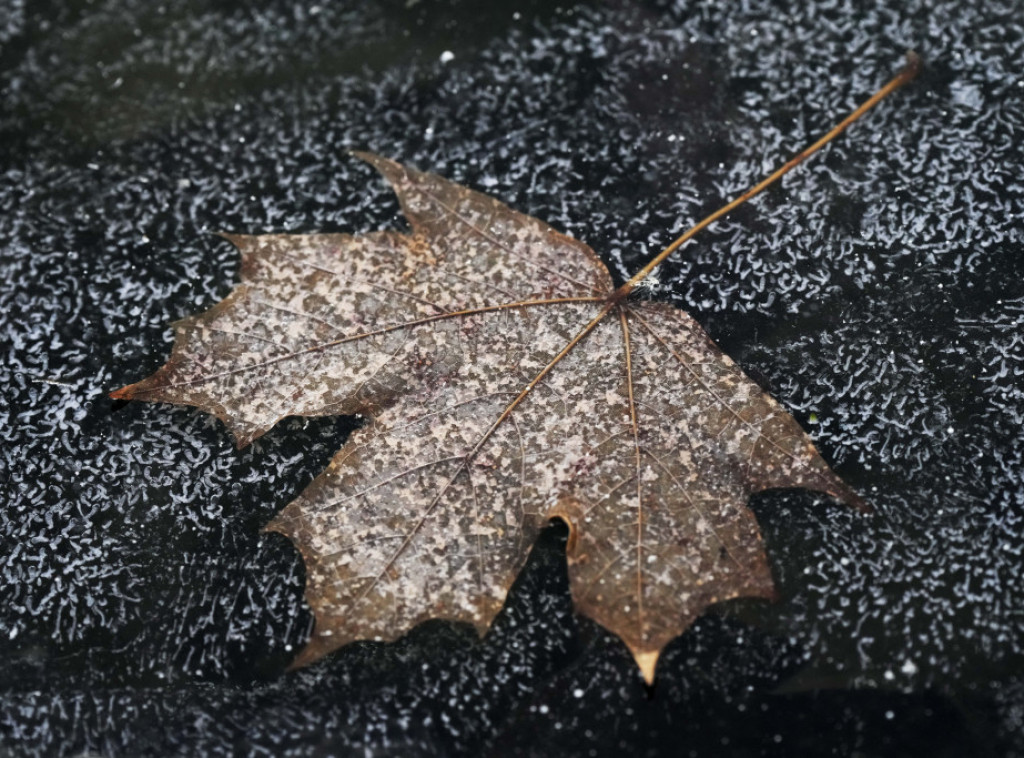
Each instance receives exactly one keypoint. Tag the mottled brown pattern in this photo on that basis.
(644, 437)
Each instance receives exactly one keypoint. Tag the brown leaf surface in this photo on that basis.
(643, 436)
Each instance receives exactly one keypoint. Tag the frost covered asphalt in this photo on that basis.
(877, 294)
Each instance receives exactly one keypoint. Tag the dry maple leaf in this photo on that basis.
(505, 382)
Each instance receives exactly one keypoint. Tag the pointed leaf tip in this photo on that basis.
(232, 237)
(647, 661)
(128, 391)
(373, 159)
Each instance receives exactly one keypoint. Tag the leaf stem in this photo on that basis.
(909, 71)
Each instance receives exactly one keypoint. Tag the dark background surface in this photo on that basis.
(877, 293)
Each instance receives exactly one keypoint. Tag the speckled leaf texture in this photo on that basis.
(643, 436)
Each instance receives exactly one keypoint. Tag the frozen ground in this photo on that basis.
(878, 293)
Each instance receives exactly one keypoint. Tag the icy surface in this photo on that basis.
(878, 294)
